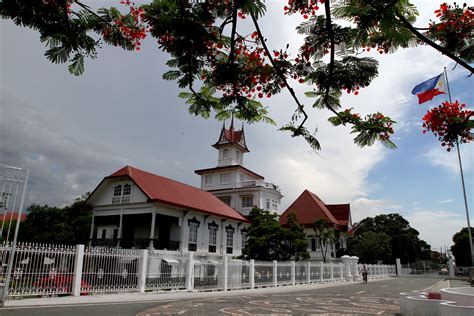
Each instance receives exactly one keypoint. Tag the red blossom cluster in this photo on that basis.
(449, 122)
(306, 8)
(455, 22)
(138, 31)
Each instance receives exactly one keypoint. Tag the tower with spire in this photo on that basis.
(233, 183)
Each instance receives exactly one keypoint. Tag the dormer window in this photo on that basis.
(122, 196)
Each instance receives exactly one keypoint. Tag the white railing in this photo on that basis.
(40, 270)
(259, 183)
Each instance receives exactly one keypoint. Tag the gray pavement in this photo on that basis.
(376, 297)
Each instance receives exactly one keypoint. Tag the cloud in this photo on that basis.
(61, 166)
(364, 207)
(436, 226)
(439, 157)
(446, 201)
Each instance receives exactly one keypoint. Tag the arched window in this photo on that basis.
(118, 190)
(237, 155)
(127, 189)
(225, 153)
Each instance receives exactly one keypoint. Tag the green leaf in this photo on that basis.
(77, 66)
(171, 75)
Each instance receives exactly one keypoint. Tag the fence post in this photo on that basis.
(355, 268)
(293, 273)
(341, 271)
(321, 272)
(332, 271)
(346, 260)
(252, 274)
(226, 259)
(190, 272)
(142, 263)
(398, 265)
(275, 273)
(308, 276)
(78, 262)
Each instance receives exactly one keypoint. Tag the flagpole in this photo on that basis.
(462, 180)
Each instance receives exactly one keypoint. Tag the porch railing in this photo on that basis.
(45, 270)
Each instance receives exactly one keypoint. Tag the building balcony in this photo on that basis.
(258, 183)
(137, 243)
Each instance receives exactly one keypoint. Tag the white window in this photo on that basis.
(225, 153)
(118, 190)
(212, 235)
(229, 239)
(242, 178)
(225, 199)
(208, 180)
(274, 205)
(244, 239)
(127, 189)
(237, 155)
(247, 201)
(267, 205)
(193, 233)
(225, 178)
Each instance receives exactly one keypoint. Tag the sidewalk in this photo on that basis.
(167, 296)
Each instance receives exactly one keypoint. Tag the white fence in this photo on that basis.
(51, 270)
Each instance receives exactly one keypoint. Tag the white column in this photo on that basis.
(346, 260)
(252, 274)
(308, 271)
(152, 228)
(293, 273)
(275, 273)
(183, 227)
(332, 272)
(321, 272)
(120, 228)
(226, 272)
(190, 272)
(142, 262)
(91, 235)
(77, 277)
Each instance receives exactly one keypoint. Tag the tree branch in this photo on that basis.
(232, 35)
(278, 70)
(439, 48)
(85, 7)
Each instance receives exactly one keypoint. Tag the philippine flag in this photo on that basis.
(428, 89)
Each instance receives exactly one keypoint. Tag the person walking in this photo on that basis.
(364, 273)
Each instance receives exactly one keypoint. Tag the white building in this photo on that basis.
(133, 208)
(231, 182)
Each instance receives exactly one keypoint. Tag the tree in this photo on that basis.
(226, 71)
(404, 241)
(373, 247)
(296, 242)
(461, 249)
(268, 240)
(69, 225)
(325, 234)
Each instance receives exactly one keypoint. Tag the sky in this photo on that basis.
(70, 132)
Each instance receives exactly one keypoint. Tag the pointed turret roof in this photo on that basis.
(232, 136)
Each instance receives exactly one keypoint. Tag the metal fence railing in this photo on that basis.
(110, 270)
(50, 270)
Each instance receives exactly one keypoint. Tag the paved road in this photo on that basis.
(379, 297)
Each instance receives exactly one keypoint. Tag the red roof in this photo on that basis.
(340, 211)
(171, 192)
(232, 136)
(308, 207)
(14, 216)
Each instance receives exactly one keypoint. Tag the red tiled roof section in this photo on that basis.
(340, 212)
(232, 135)
(167, 191)
(13, 216)
(308, 207)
